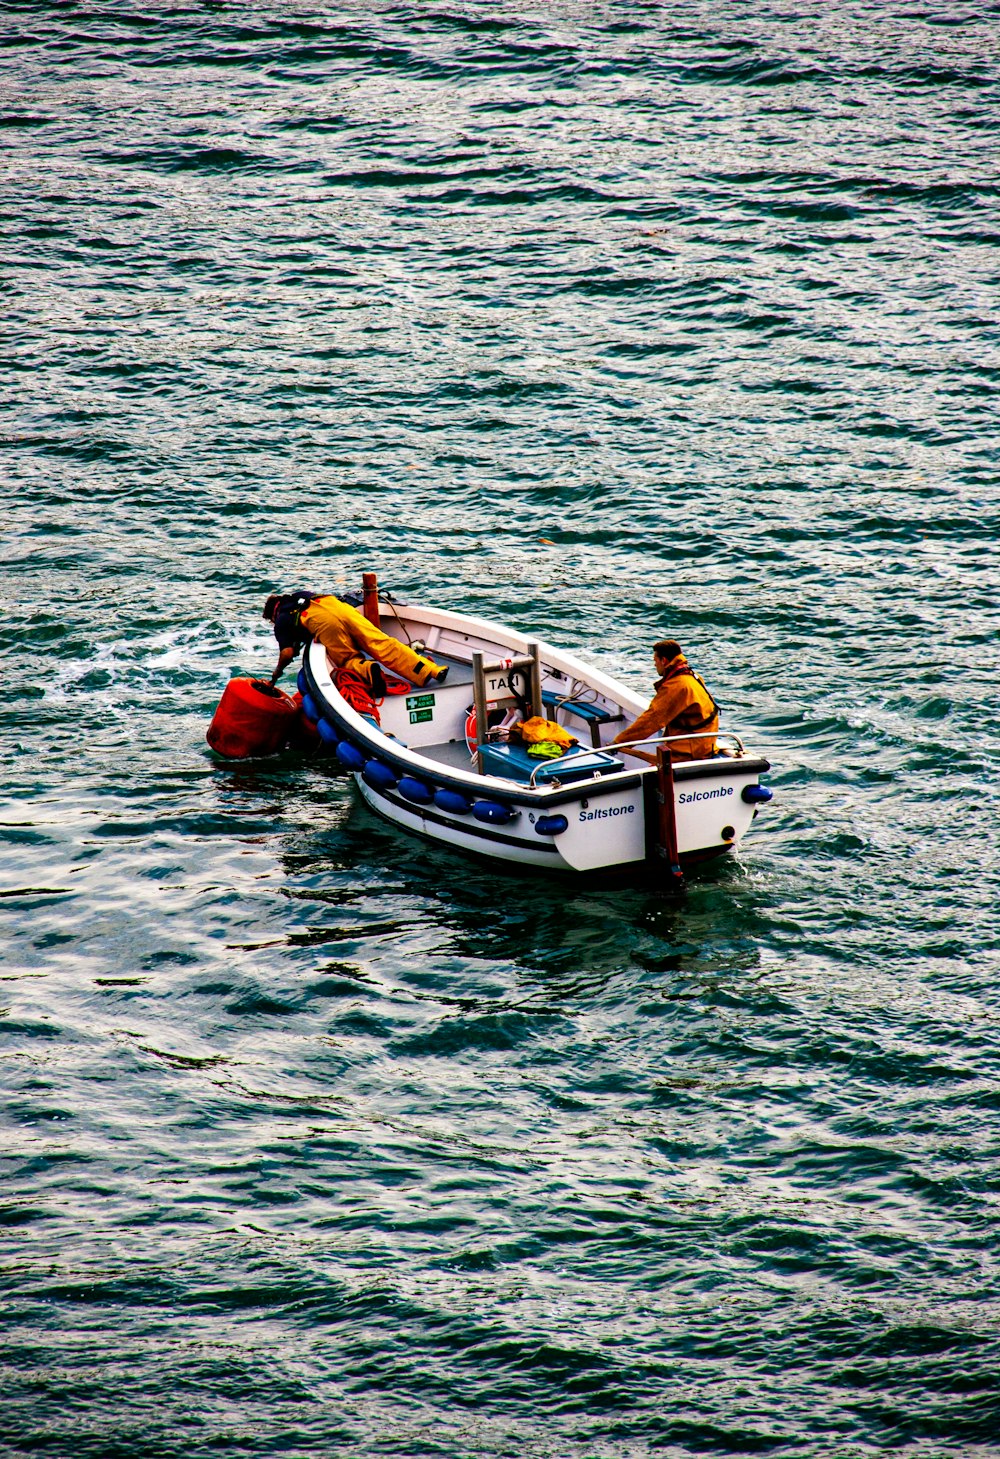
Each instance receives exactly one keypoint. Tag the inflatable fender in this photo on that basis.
(452, 801)
(379, 775)
(551, 825)
(349, 756)
(327, 734)
(493, 812)
(303, 735)
(415, 790)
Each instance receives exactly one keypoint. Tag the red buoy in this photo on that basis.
(253, 718)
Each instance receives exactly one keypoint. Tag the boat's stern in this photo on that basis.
(715, 802)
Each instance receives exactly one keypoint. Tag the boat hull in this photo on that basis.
(414, 768)
(608, 834)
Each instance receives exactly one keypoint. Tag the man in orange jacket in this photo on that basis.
(681, 706)
(348, 637)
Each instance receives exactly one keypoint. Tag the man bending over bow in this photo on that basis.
(348, 637)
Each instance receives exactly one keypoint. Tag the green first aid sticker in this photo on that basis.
(420, 701)
(420, 716)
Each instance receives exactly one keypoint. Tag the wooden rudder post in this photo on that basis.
(667, 839)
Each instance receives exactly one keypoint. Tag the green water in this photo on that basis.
(609, 323)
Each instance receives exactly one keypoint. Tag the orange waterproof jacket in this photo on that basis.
(680, 706)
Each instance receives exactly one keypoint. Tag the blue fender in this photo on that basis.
(452, 802)
(493, 813)
(551, 825)
(379, 775)
(415, 790)
(350, 756)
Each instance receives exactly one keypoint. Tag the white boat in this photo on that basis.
(594, 809)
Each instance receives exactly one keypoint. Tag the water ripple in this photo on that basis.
(610, 326)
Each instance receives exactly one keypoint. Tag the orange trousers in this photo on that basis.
(352, 642)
